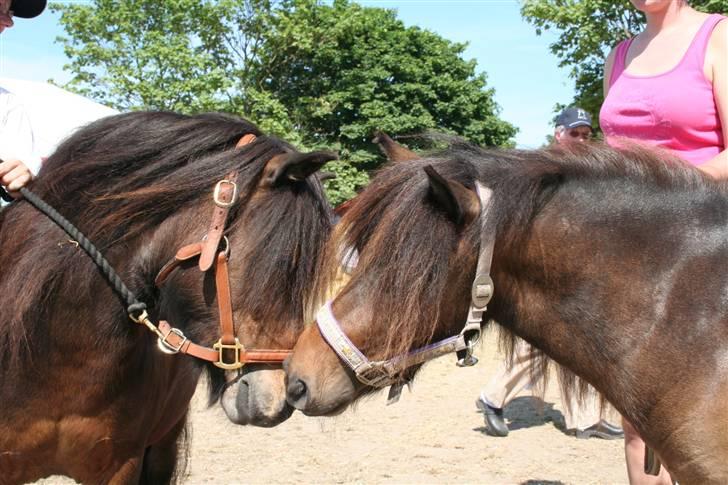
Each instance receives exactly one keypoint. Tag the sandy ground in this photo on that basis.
(433, 435)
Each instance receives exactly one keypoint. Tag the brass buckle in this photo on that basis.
(221, 347)
(218, 190)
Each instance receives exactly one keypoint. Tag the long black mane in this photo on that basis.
(124, 175)
(112, 172)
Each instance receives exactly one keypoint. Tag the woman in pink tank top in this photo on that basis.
(668, 87)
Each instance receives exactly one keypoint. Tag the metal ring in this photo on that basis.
(227, 244)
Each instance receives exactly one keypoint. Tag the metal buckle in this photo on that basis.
(482, 291)
(218, 190)
(221, 347)
(168, 348)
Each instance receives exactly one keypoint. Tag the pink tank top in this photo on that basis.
(674, 110)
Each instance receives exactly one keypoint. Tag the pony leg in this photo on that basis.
(160, 459)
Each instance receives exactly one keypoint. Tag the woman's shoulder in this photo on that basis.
(615, 58)
(609, 64)
(719, 37)
(717, 49)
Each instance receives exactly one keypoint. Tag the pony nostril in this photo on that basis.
(296, 391)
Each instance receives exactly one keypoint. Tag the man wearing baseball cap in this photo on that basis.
(573, 124)
(16, 134)
(26, 9)
(581, 418)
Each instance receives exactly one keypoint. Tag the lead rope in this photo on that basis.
(135, 308)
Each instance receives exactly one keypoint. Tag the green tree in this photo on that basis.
(181, 55)
(587, 31)
(318, 75)
(345, 71)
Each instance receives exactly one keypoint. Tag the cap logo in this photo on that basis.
(581, 114)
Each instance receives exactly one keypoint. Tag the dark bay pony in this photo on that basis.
(84, 391)
(613, 263)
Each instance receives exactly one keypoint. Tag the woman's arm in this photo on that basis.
(718, 52)
(608, 71)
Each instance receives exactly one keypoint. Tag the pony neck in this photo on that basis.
(573, 286)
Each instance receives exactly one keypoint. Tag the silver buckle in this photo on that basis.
(482, 291)
(166, 347)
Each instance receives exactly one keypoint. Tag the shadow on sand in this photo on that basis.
(527, 412)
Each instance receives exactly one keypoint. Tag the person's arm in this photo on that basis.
(14, 174)
(17, 145)
(718, 51)
(608, 64)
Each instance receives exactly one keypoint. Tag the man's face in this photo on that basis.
(6, 16)
(570, 135)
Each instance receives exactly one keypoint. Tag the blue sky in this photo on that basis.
(518, 63)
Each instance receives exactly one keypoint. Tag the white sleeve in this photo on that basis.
(16, 134)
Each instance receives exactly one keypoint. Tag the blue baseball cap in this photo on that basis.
(572, 117)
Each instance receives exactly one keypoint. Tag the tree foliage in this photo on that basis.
(587, 31)
(319, 75)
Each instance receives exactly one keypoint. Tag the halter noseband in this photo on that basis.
(383, 373)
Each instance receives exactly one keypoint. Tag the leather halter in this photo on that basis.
(385, 372)
(227, 353)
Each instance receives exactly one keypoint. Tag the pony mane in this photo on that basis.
(124, 175)
(109, 174)
(407, 244)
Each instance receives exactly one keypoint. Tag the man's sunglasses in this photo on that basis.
(576, 133)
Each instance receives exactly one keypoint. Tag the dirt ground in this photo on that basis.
(433, 435)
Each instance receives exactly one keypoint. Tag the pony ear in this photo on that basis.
(393, 150)
(294, 167)
(459, 203)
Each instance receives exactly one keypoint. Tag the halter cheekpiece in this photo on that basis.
(228, 352)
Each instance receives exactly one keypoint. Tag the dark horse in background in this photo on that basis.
(613, 263)
(84, 391)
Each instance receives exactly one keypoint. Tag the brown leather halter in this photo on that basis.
(172, 340)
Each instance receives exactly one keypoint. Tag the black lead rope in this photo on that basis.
(135, 308)
(4, 194)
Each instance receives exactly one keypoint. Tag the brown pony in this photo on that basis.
(84, 391)
(610, 262)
